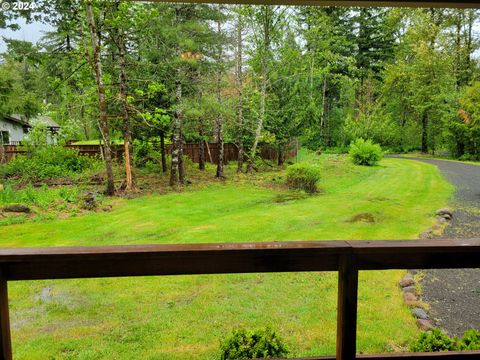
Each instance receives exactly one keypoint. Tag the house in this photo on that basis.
(15, 127)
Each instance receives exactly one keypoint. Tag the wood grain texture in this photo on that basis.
(345, 257)
(347, 308)
(143, 260)
(5, 341)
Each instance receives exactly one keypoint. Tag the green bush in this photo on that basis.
(470, 340)
(303, 176)
(145, 154)
(48, 162)
(245, 344)
(365, 152)
(434, 341)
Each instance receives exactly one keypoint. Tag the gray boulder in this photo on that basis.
(420, 314)
(17, 208)
(445, 213)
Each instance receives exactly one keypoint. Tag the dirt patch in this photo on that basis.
(362, 217)
(293, 196)
(379, 199)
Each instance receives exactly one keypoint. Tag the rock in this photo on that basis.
(426, 234)
(424, 325)
(46, 293)
(410, 289)
(444, 212)
(89, 201)
(407, 280)
(413, 272)
(17, 208)
(107, 208)
(441, 220)
(420, 313)
(410, 299)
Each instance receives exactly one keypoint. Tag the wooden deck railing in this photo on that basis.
(345, 257)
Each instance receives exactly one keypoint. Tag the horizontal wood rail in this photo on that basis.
(344, 257)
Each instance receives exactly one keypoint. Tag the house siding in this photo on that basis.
(15, 131)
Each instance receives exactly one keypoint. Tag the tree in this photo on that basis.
(103, 116)
(266, 24)
(239, 25)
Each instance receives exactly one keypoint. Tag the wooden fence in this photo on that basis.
(267, 152)
(345, 257)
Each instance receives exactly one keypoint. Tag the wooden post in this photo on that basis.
(6, 344)
(347, 308)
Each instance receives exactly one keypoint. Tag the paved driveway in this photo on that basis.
(454, 294)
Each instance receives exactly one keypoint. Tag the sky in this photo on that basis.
(29, 32)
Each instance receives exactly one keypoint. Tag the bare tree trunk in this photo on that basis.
(281, 156)
(261, 117)
(176, 134)
(181, 162)
(239, 80)
(127, 134)
(201, 146)
(220, 147)
(209, 153)
(103, 124)
(324, 116)
(424, 132)
(162, 151)
(263, 91)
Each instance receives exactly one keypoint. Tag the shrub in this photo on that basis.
(365, 152)
(47, 163)
(303, 176)
(145, 154)
(434, 341)
(470, 340)
(43, 197)
(245, 344)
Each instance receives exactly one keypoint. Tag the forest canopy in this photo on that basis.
(407, 79)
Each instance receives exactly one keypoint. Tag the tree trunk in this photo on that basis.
(201, 146)
(263, 90)
(281, 155)
(176, 134)
(181, 162)
(103, 124)
(220, 149)
(127, 134)
(239, 80)
(162, 151)
(219, 136)
(209, 153)
(425, 132)
(261, 117)
(241, 154)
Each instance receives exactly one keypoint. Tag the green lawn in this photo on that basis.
(185, 317)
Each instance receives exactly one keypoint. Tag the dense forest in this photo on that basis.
(153, 73)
